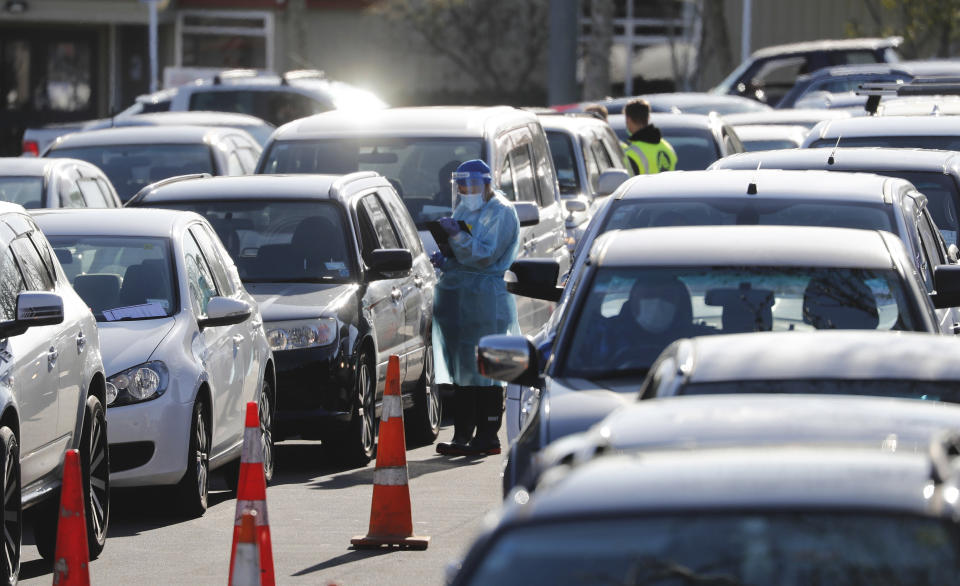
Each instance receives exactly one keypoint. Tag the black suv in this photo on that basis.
(343, 282)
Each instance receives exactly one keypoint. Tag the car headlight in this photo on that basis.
(291, 335)
(140, 383)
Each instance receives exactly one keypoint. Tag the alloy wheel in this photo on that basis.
(99, 489)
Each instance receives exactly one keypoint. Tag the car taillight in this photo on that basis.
(30, 147)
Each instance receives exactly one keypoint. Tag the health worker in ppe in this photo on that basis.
(471, 301)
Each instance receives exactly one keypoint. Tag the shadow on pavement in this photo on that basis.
(347, 558)
(137, 510)
(415, 469)
(35, 569)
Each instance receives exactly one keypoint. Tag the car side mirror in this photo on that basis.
(34, 308)
(575, 205)
(610, 180)
(528, 213)
(224, 311)
(508, 358)
(389, 260)
(946, 283)
(535, 278)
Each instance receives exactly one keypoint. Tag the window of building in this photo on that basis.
(222, 39)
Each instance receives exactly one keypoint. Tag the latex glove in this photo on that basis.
(450, 226)
(437, 259)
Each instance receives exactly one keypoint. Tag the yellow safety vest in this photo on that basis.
(650, 158)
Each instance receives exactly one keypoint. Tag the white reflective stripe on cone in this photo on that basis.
(246, 566)
(392, 407)
(390, 476)
(259, 506)
(252, 450)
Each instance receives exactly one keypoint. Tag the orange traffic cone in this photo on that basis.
(71, 564)
(245, 570)
(252, 496)
(390, 519)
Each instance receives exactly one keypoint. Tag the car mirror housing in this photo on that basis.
(535, 278)
(389, 260)
(575, 205)
(224, 311)
(34, 308)
(508, 358)
(528, 213)
(610, 180)
(946, 283)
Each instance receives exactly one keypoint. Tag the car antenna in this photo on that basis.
(830, 159)
(752, 187)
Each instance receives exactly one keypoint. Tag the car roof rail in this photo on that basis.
(943, 451)
(233, 74)
(175, 179)
(289, 76)
(918, 86)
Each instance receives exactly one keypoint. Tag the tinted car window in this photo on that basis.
(11, 284)
(946, 391)
(949, 143)
(275, 107)
(418, 168)
(386, 236)
(200, 283)
(401, 218)
(26, 191)
(35, 273)
(629, 315)
(276, 240)
(212, 254)
(526, 189)
(131, 167)
(115, 273)
(564, 160)
(943, 200)
(830, 547)
(650, 213)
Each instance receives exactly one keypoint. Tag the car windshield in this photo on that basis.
(629, 315)
(26, 191)
(131, 167)
(948, 143)
(789, 549)
(653, 213)
(565, 161)
(119, 277)
(768, 144)
(696, 149)
(946, 391)
(419, 168)
(274, 241)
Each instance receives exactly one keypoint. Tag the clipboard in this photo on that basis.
(441, 237)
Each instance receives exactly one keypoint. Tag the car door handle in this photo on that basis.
(52, 357)
(395, 294)
(81, 342)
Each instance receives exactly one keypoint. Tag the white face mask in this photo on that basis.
(655, 315)
(473, 201)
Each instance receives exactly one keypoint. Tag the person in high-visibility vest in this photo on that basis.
(646, 151)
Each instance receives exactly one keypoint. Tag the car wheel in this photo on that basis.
(423, 426)
(193, 487)
(265, 409)
(95, 464)
(12, 510)
(356, 444)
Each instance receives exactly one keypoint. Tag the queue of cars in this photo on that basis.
(679, 356)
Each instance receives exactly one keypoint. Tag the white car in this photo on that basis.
(183, 344)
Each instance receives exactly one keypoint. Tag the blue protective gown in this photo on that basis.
(471, 298)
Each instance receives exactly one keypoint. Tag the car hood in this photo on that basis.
(576, 404)
(127, 343)
(284, 301)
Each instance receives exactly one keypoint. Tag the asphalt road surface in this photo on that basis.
(314, 510)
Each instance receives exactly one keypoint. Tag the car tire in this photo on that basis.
(12, 508)
(95, 466)
(356, 444)
(423, 425)
(231, 472)
(193, 488)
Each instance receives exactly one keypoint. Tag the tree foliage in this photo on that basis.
(928, 27)
(501, 43)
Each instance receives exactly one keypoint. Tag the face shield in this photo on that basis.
(469, 187)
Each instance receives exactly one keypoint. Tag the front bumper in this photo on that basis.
(313, 384)
(156, 431)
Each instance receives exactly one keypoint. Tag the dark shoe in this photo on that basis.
(479, 447)
(464, 414)
(453, 448)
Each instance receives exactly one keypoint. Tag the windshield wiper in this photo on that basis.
(650, 570)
